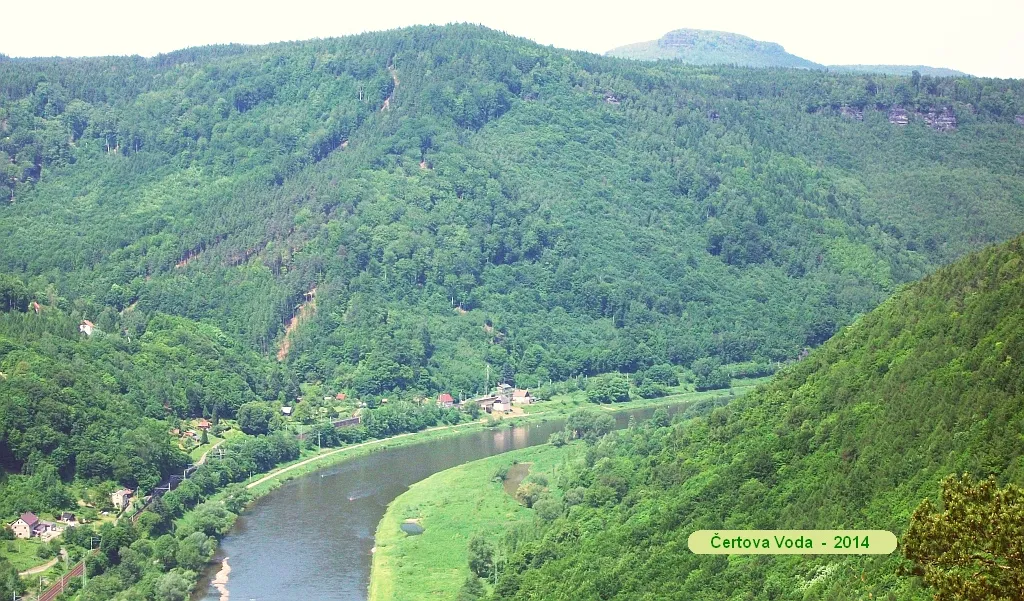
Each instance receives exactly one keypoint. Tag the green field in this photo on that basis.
(22, 553)
(451, 506)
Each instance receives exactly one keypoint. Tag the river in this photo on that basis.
(312, 537)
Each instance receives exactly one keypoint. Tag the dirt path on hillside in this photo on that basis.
(394, 88)
(39, 569)
(305, 311)
(202, 458)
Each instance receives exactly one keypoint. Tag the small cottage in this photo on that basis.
(445, 400)
(521, 396)
(86, 327)
(203, 424)
(286, 411)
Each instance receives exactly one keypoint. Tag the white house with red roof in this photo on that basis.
(86, 327)
(445, 400)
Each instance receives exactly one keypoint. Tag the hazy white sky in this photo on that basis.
(983, 37)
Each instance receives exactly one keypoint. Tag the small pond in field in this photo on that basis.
(515, 477)
(411, 528)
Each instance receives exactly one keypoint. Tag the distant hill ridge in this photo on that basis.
(702, 47)
(707, 47)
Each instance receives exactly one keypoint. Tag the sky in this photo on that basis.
(983, 37)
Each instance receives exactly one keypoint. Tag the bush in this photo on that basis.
(575, 496)
(651, 390)
(663, 374)
(547, 508)
(608, 388)
(481, 557)
(529, 492)
(559, 439)
(538, 478)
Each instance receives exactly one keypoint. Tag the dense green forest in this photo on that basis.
(854, 436)
(453, 196)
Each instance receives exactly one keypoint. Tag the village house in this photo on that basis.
(340, 396)
(86, 327)
(521, 397)
(486, 402)
(286, 411)
(29, 525)
(121, 498)
(23, 526)
(501, 406)
(203, 424)
(445, 400)
(68, 518)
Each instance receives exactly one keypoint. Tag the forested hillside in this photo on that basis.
(98, 408)
(854, 436)
(446, 197)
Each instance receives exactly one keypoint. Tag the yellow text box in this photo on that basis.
(792, 542)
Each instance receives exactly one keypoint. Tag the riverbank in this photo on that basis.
(557, 408)
(451, 506)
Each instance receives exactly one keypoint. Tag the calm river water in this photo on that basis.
(311, 538)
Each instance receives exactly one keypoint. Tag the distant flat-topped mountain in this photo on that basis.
(701, 47)
(704, 47)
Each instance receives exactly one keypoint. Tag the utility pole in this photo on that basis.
(487, 382)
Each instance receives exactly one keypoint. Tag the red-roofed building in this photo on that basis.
(86, 327)
(340, 396)
(202, 424)
(445, 400)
